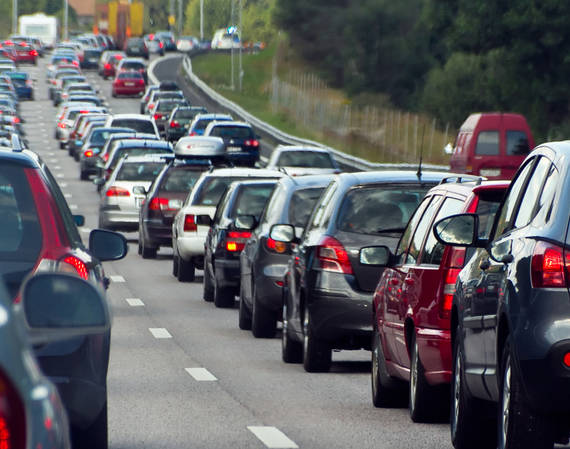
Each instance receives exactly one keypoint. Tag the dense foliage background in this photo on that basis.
(445, 57)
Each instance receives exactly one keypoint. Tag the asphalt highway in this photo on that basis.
(182, 375)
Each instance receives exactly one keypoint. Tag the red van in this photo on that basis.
(491, 145)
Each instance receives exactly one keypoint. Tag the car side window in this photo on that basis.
(409, 232)
(433, 250)
(533, 189)
(546, 199)
(506, 217)
(421, 231)
(487, 143)
(221, 206)
(319, 213)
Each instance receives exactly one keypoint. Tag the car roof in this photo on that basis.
(391, 176)
(141, 159)
(131, 116)
(299, 148)
(301, 182)
(465, 186)
(244, 171)
(144, 143)
(20, 158)
(230, 123)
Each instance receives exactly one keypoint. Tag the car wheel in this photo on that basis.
(175, 264)
(61, 146)
(147, 252)
(76, 156)
(208, 294)
(244, 319)
(186, 270)
(424, 399)
(386, 390)
(519, 427)
(470, 428)
(83, 175)
(263, 321)
(223, 296)
(291, 350)
(94, 436)
(140, 245)
(317, 355)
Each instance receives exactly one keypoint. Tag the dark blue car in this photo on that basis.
(23, 84)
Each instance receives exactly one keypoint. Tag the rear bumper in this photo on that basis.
(128, 90)
(189, 247)
(227, 273)
(158, 234)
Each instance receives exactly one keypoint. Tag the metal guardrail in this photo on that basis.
(280, 136)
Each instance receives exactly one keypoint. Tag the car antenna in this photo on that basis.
(419, 172)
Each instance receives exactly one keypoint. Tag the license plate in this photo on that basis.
(490, 172)
(234, 149)
(129, 84)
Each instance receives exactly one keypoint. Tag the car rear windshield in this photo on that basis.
(182, 114)
(167, 94)
(251, 200)
(517, 143)
(212, 190)
(145, 171)
(143, 151)
(167, 105)
(237, 132)
(132, 65)
(130, 76)
(305, 159)
(301, 205)
(379, 209)
(141, 126)
(99, 137)
(92, 53)
(180, 180)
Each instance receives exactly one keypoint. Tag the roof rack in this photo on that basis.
(463, 178)
(17, 143)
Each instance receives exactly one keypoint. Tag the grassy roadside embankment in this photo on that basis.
(277, 89)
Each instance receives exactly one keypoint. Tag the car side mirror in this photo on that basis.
(139, 190)
(458, 230)
(107, 245)
(378, 256)
(283, 233)
(58, 306)
(99, 181)
(204, 220)
(79, 220)
(245, 222)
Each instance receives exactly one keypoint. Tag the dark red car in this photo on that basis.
(412, 302)
(128, 83)
(108, 64)
(25, 53)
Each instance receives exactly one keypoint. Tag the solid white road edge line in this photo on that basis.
(201, 374)
(117, 278)
(159, 332)
(272, 437)
(134, 302)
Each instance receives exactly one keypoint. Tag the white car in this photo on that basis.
(188, 236)
(124, 192)
(298, 160)
(138, 122)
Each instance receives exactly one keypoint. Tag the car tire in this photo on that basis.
(470, 426)
(263, 321)
(223, 296)
(186, 270)
(244, 318)
(76, 156)
(61, 146)
(175, 265)
(423, 399)
(518, 426)
(147, 252)
(95, 436)
(291, 350)
(83, 175)
(386, 390)
(317, 355)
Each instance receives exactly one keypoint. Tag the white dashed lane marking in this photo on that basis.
(68, 195)
(117, 278)
(60, 175)
(85, 230)
(272, 437)
(73, 206)
(201, 374)
(159, 332)
(63, 185)
(134, 302)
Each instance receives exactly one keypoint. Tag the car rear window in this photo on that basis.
(379, 209)
(487, 143)
(487, 207)
(188, 113)
(237, 132)
(301, 205)
(135, 151)
(132, 65)
(141, 126)
(167, 105)
(180, 180)
(130, 75)
(145, 171)
(305, 159)
(251, 200)
(517, 143)
(212, 190)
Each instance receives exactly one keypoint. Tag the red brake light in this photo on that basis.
(77, 264)
(160, 44)
(163, 204)
(106, 157)
(275, 246)
(455, 261)
(61, 125)
(33, 53)
(75, 63)
(190, 223)
(332, 256)
(548, 266)
(157, 116)
(236, 240)
(117, 191)
(88, 153)
(12, 416)
(107, 66)
(174, 124)
(251, 143)
(193, 133)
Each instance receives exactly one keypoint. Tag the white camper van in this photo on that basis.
(226, 38)
(41, 26)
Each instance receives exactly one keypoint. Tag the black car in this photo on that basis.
(167, 38)
(328, 292)
(162, 110)
(179, 121)
(227, 236)
(263, 261)
(136, 46)
(510, 320)
(242, 144)
(91, 58)
(89, 153)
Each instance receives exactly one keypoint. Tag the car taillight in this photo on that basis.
(160, 44)
(235, 241)
(550, 266)
(106, 157)
(12, 416)
(451, 268)
(174, 124)
(107, 66)
(251, 143)
(141, 82)
(164, 204)
(88, 153)
(75, 63)
(61, 125)
(332, 256)
(157, 116)
(150, 106)
(275, 246)
(193, 133)
(190, 223)
(16, 120)
(29, 83)
(33, 53)
(73, 265)
(117, 191)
